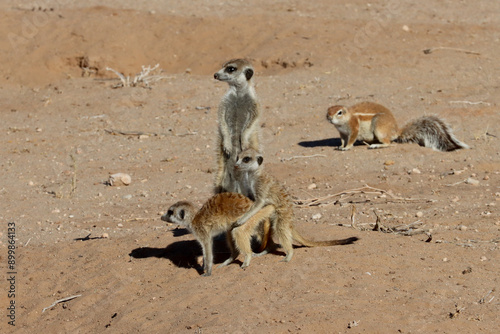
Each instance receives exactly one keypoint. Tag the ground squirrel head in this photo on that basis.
(249, 160)
(180, 213)
(236, 72)
(337, 115)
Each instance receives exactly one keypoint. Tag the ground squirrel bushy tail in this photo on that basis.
(430, 131)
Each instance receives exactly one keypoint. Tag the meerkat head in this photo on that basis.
(337, 115)
(180, 213)
(249, 160)
(236, 72)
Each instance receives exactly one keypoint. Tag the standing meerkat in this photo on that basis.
(238, 120)
(375, 124)
(218, 215)
(266, 190)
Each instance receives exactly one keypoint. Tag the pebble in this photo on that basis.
(316, 216)
(483, 258)
(389, 162)
(406, 28)
(419, 214)
(312, 186)
(105, 235)
(127, 196)
(120, 225)
(472, 181)
(119, 179)
(462, 227)
(416, 171)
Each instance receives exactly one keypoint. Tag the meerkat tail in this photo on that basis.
(310, 243)
(431, 131)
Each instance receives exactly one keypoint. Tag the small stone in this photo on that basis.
(105, 235)
(31, 183)
(120, 225)
(143, 136)
(415, 171)
(445, 259)
(486, 177)
(316, 216)
(419, 214)
(389, 162)
(472, 181)
(483, 258)
(127, 196)
(119, 179)
(56, 211)
(312, 186)
(462, 227)
(406, 28)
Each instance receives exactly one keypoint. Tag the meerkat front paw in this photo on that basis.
(344, 148)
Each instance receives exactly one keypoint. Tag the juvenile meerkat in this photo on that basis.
(266, 190)
(376, 125)
(238, 120)
(218, 215)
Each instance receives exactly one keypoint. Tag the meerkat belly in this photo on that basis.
(366, 131)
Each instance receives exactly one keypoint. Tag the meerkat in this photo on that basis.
(266, 190)
(218, 215)
(238, 120)
(376, 125)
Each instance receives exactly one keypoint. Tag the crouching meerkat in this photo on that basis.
(218, 215)
(238, 120)
(266, 190)
(376, 125)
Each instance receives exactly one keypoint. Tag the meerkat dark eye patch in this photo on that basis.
(249, 73)
(181, 214)
(340, 112)
(230, 69)
(246, 159)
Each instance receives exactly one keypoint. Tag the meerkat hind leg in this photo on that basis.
(234, 250)
(242, 234)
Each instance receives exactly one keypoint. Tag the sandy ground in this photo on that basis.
(133, 273)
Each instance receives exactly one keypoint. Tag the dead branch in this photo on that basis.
(472, 103)
(145, 133)
(366, 189)
(144, 78)
(60, 301)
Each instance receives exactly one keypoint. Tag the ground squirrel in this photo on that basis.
(375, 124)
(266, 190)
(217, 215)
(238, 120)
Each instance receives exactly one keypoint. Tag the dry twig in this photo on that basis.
(303, 156)
(431, 50)
(60, 301)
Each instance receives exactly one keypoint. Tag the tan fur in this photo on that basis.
(266, 190)
(218, 215)
(375, 124)
(238, 120)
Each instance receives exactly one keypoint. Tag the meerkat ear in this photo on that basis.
(248, 73)
(260, 160)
